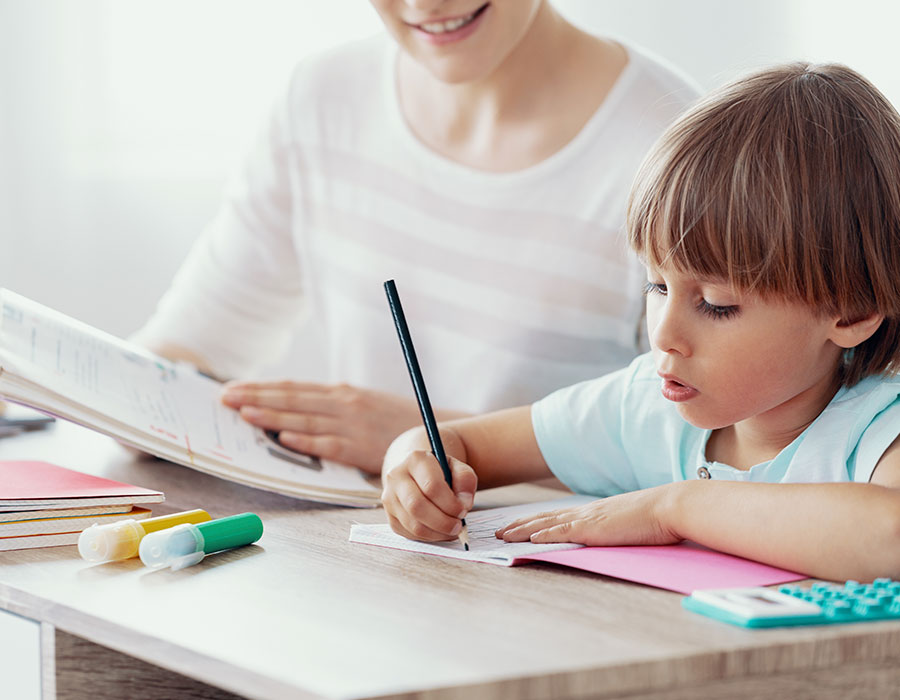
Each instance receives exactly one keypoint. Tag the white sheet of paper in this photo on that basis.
(484, 546)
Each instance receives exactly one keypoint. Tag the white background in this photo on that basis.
(121, 119)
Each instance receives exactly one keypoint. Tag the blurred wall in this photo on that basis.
(121, 119)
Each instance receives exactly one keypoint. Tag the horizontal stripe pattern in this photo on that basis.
(514, 284)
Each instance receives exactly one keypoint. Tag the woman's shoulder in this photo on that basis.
(650, 84)
(657, 72)
(341, 73)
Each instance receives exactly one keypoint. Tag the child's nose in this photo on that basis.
(669, 332)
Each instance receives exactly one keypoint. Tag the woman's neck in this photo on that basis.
(535, 102)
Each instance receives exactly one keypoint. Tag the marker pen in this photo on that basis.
(187, 544)
(120, 540)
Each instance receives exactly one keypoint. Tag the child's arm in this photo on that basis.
(832, 531)
(491, 450)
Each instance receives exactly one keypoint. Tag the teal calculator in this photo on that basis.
(822, 604)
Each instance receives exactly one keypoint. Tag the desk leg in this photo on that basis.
(21, 651)
(48, 662)
(88, 671)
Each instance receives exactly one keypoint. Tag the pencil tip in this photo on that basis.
(464, 535)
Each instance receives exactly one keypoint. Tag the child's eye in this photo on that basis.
(717, 312)
(655, 288)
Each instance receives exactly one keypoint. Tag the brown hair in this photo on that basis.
(785, 183)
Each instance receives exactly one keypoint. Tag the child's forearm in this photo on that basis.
(500, 447)
(831, 531)
(416, 439)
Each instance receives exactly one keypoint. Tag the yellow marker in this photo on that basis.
(122, 540)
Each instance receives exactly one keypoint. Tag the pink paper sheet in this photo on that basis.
(683, 567)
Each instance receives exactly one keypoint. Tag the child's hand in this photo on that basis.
(637, 517)
(419, 503)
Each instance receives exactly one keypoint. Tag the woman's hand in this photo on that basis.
(638, 517)
(337, 422)
(419, 503)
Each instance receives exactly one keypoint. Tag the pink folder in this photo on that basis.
(26, 485)
(683, 567)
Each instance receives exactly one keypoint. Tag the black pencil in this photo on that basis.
(415, 374)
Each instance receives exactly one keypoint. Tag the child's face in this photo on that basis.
(724, 356)
(458, 41)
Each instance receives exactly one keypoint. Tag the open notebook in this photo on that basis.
(68, 369)
(683, 568)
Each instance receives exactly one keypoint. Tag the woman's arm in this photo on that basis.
(177, 353)
(339, 422)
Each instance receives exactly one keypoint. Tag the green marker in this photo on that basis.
(185, 545)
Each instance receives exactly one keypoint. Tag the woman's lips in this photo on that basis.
(451, 30)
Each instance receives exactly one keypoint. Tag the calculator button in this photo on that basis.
(839, 610)
(703, 473)
(865, 607)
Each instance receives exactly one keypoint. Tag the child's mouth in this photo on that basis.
(673, 390)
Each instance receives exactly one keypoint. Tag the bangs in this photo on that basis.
(715, 202)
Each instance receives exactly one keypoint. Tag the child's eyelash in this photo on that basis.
(704, 307)
(654, 288)
(714, 311)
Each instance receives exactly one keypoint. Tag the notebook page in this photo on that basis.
(484, 546)
(131, 386)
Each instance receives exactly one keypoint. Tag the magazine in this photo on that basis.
(73, 371)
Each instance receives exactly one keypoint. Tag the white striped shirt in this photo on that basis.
(514, 284)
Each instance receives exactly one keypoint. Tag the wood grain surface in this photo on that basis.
(303, 613)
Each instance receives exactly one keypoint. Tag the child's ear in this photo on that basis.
(849, 334)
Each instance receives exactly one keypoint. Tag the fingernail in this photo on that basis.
(467, 499)
(456, 529)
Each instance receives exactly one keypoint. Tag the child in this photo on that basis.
(764, 421)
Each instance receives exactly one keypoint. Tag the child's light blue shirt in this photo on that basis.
(617, 434)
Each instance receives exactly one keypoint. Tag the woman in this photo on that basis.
(481, 159)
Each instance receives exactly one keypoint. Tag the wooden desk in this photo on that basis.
(306, 614)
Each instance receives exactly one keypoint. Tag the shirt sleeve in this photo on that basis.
(237, 296)
(873, 443)
(579, 431)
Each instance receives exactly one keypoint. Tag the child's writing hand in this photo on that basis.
(419, 503)
(638, 517)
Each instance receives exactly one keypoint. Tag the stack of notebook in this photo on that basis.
(45, 505)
